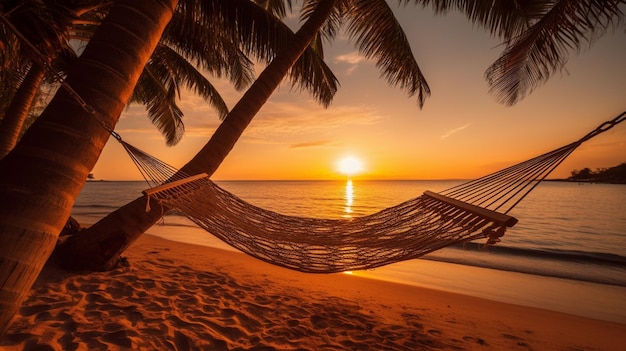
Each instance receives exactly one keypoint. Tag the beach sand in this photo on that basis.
(176, 296)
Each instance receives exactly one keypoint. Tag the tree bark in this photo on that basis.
(17, 111)
(41, 177)
(99, 247)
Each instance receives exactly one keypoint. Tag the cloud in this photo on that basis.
(287, 120)
(353, 59)
(309, 144)
(192, 103)
(278, 122)
(452, 131)
(134, 111)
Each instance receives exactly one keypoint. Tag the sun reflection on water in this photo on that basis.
(349, 197)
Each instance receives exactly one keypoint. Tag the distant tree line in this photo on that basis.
(614, 175)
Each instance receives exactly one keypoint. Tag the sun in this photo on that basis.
(350, 166)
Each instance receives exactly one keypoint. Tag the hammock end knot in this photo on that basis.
(147, 201)
(493, 236)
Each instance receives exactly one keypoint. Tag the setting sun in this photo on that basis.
(350, 166)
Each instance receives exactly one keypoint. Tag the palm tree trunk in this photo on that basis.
(100, 246)
(41, 177)
(16, 113)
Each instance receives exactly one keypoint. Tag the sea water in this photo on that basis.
(566, 253)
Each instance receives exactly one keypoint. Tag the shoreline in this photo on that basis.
(184, 296)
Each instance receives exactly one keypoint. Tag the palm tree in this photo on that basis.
(378, 34)
(44, 173)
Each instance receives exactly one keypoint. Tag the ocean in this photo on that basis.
(566, 253)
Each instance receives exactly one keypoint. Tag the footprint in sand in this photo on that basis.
(434, 332)
(479, 341)
(520, 341)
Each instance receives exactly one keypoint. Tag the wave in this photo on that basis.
(575, 256)
(613, 279)
(593, 267)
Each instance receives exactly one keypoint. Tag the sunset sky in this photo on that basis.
(462, 131)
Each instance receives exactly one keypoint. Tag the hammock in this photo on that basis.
(469, 211)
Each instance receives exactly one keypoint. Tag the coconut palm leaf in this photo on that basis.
(157, 90)
(159, 86)
(12, 69)
(533, 56)
(209, 49)
(322, 82)
(502, 18)
(378, 36)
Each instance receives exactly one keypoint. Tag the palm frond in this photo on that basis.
(9, 45)
(335, 20)
(209, 49)
(532, 57)
(322, 82)
(379, 36)
(31, 33)
(157, 90)
(184, 73)
(44, 24)
(247, 24)
(502, 18)
(164, 76)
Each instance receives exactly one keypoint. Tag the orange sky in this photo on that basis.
(462, 132)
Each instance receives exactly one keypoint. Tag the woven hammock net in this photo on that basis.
(472, 210)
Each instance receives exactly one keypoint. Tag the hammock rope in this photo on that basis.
(316, 245)
(469, 211)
